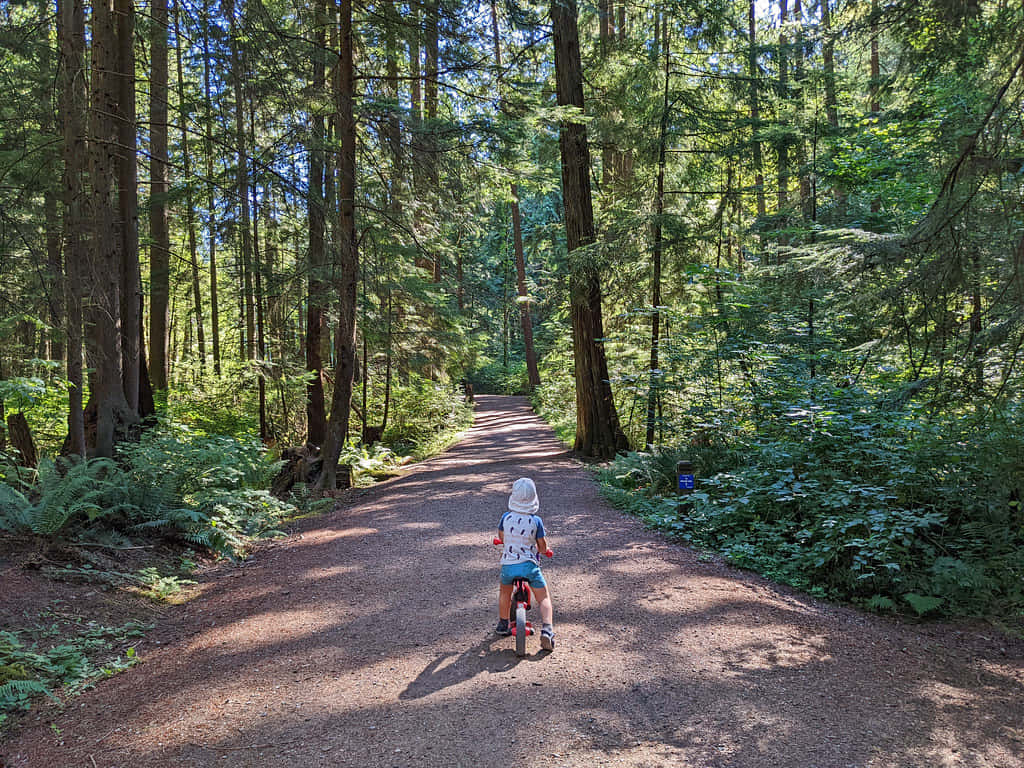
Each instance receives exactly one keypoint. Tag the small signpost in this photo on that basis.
(686, 485)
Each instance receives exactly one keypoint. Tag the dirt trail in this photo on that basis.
(364, 639)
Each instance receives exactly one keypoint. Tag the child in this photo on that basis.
(521, 532)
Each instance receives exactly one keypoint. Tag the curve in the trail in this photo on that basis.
(365, 639)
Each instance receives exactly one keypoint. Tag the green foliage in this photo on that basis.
(495, 378)
(66, 492)
(161, 587)
(220, 405)
(207, 491)
(427, 416)
(886, 509)
(368, 462)
(27, 670)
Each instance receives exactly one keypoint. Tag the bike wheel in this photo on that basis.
(520, 630)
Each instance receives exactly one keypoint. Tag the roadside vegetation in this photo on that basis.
(140, 524)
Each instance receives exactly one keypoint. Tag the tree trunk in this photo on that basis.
(316, 314)
(394, 122)
(597, 425)
(159, 232)
(74, 98)
(211, 193)
(755, 113)
(347, 271)
(21, 439)
(52, 282)
(128, 204)
(828, 48)
(658, 242)
(803, 166)
(415, 92)
(258, 299)
(875, 83)
(533, 373)
(876, 73)
(103, 318)
(247, 345)
(190, 223)
(430, 83)
(782, 145)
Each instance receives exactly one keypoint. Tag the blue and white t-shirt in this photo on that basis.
(520, 539)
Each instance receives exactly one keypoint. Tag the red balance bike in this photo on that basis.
(522, 600)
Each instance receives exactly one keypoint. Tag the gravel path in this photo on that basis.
(364, 639)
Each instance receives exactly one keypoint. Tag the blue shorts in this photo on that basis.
(528, 570)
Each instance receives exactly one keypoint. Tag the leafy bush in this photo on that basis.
(497, 379)
(555, 401)
(883, 508)
(427, 415)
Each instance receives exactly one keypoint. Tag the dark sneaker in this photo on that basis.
(547, 639)
(503, 628)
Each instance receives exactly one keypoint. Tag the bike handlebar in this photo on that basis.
(548, 553)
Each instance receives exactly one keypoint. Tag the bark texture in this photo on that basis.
(598, 432)
(347, 269)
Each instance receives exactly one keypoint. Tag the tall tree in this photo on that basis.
(598, 432)
(247, 343)
(186, 167)
(211, 190)
(782, 144)
(346, 272)
(316, 314)
(134, 375)
(828, 48)
(52, 282)
(106, 257)
(159, 229)
(74, 97)
(431, 74)
(532, 371)
(658, 248)
(754, 73)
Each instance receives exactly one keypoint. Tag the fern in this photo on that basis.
(14, 509)
(18, 692)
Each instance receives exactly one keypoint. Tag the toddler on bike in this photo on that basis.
(521, 532)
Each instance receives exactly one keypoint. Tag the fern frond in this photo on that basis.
(15, 690)
(14, 509)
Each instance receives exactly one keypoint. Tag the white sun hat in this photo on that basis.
(524, 497)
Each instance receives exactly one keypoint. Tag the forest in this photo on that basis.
(782, 240)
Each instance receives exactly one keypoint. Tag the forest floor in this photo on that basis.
(366, 639)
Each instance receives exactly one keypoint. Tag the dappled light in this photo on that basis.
(366, 639)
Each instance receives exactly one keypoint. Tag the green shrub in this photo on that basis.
(497, 379)
(883, 508)
(209, 491)
(427, 415)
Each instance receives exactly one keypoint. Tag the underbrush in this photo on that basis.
(57, 663)
(426, 418)
(204, 491)
(885, 509)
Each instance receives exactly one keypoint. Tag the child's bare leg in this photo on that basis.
(544, 601)
(504, 601)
